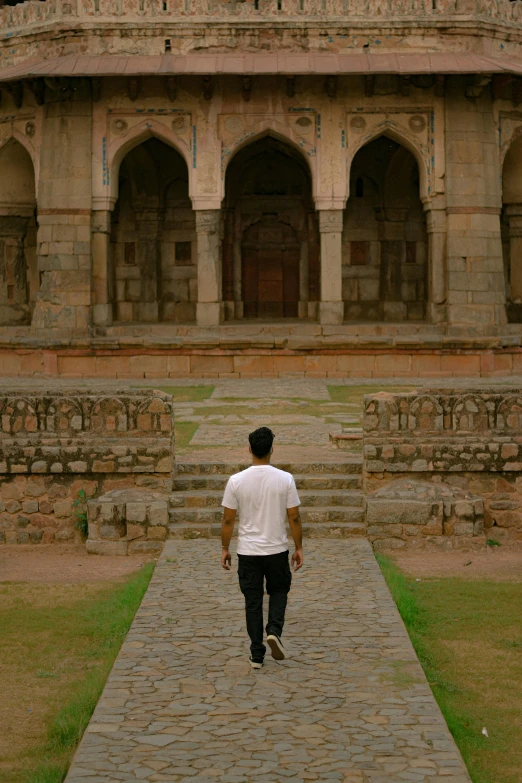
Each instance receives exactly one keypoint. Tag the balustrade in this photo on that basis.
(35, 12)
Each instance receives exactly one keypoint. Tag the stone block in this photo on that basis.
(158, 513)
(64, 535)
(135, 531)
(111, 532)
(397, 512)
(158, 533)
(145, 547)
(106, 547)
(63, 509)
(30, 506)
(136, 512)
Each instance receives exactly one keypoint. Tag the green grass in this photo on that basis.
(77, 637)
(468, 637)
(187, 393)
(184, 431)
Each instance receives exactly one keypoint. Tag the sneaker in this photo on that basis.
(276, 647)
(256, 663)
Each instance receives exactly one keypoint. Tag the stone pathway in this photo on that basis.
(349, 704)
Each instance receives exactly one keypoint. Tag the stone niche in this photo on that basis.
(443, 467)
(54, 444)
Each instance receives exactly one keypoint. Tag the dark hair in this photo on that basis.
(261, 442)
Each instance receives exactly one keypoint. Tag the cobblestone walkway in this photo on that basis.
(349, 704)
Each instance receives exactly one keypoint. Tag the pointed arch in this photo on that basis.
(120, 147)
(269, 128)
(22, 139)
(398, 134)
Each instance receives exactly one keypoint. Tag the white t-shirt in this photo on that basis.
(261, 494)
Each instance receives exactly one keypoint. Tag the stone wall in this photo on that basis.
(464, 446)
(54, 444)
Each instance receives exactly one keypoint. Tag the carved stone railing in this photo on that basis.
(58, 448)
(34, 13)
(443, 441)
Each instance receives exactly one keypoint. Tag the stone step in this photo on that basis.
(334, 481)
(350, 465)
(317, 530)
(325, 515)
(317, 497)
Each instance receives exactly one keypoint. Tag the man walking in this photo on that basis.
(264, 498)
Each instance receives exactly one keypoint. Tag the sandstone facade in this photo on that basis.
(169, 170)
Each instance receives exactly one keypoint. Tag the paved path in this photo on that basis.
(349, 704)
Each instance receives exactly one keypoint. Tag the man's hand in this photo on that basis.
(226, 558)
(297, 559)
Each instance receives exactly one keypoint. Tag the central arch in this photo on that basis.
(270, 248)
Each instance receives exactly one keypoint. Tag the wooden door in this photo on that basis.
(270, 271)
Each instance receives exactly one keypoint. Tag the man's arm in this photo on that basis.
(227, 528)
(294, 520)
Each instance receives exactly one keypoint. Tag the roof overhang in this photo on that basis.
(258, 64)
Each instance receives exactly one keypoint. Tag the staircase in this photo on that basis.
(332, 503)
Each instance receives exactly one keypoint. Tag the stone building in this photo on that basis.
(198, 178)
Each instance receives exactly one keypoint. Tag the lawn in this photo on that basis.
(186, 393)
(57, 646)
(468, 636)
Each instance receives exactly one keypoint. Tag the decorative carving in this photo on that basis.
(133, 87)
(358, 124)
(64, 417)
(425, 414)
(171, 88)
(509, 415)
(208, 87)
(234, 124)
(417, 123)
(247, 88)
(331, 86)
(30, 129)
(120, 126)
(19, 416)
(109, 415)
(470, 414)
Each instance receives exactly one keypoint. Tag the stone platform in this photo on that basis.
(349, 704)
(262, 349)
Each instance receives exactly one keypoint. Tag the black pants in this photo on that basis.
(252, 571)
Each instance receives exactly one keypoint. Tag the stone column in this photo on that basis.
(149, 223)
(331, 306)
(514, 213)
(476, 298)
(102, 272)
(303, 278)
(208, 229)
(436, 227)
(64, 216)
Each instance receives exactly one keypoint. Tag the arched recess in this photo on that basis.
(122, 146)
(19, 280)
(270, 247)
(385, 241)
(153, 237)
(511, 222)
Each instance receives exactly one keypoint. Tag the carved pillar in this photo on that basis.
(208, 231)
(14, 307)
(150, 225)
(331, 307)
(437, 272)
(303, 278)
(228, 264)
(514, 213)
(102, 272)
